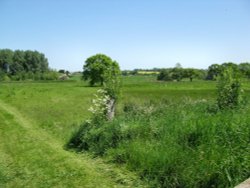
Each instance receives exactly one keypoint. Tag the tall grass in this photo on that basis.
(175, 144)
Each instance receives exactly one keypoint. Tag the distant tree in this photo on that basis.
(134, 72)
(67, 73)
(97, 66)
(202, 74)
(62, 71)
(177, 73)
(190, 73)
(233, 66)
(214, 71)
(125, 72)
(244, 68)
(165, 75)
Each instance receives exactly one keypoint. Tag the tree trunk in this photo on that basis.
(111, 109)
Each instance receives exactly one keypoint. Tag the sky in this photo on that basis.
(136, 33)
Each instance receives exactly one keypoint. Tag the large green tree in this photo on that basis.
(97, 67)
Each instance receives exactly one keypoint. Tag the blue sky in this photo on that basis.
(136, 33)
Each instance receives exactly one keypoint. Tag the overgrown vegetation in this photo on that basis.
(174, 145)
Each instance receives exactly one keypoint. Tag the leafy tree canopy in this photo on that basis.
(99, 68)
(14, 62)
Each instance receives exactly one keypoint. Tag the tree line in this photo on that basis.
(179, 73)
(22, 65)
(215, 70)
(212, 73)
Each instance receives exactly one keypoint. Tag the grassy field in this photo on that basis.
(59, 107)
(32, 158)
(36, 121)
(38, 118)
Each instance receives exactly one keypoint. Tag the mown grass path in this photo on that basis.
(30, 157)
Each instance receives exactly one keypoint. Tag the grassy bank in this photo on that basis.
(183, 144)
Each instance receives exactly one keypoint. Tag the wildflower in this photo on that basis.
(99, 105)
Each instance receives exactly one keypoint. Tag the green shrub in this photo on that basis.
(229, 89)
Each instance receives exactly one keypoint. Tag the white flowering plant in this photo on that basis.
(99, 107)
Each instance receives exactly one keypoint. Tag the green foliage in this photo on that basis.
(179, 73)
(215, 70)
(192, 73)
(112, 83)
(97, 67)
(165, 75)
(6, 56)
(22, 65)
(229, 89)
(244, 68)
(48, 75)
(167, 145)
(62, 71)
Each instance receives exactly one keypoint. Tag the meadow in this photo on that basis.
(165, 136)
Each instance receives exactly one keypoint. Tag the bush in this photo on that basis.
(229, 89)
(165, 75)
